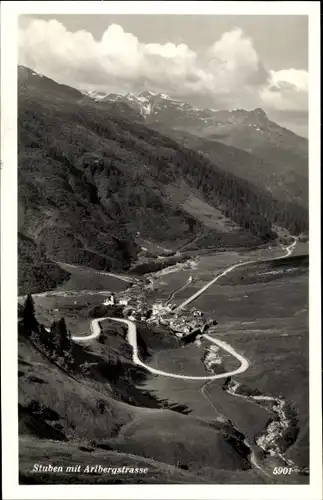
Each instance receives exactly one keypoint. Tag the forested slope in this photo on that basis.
(90, 180)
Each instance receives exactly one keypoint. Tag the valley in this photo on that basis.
(92, 180)
(243, 341)
(162, 289)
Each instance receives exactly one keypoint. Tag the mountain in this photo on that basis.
(157, 108)
(57, 95)
(279, 155)
(35, 269)
(250, 130)
(146, 104)
(91, 180)
(283, 183)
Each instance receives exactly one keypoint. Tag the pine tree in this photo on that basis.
(52, 338)
(64, 339)
(43, 336)
(29, 320)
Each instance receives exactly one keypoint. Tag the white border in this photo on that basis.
(11, 489)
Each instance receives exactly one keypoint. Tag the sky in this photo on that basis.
(216, 61)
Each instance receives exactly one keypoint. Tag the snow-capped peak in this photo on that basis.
(146, 109)
(98, 95)
(130, 96)
(159, 107)
(148, 93)
(165, 96)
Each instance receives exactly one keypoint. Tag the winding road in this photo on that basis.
(132, 331)
(244, 364)
(132, 340)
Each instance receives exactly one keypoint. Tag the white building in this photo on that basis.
(110, 301)
(124, 301)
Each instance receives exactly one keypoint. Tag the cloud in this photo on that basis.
(287, 90)
(229, 73)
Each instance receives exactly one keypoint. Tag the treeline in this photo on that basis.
(95, 188)
(55, 342)
(115, 366)
(251, 207)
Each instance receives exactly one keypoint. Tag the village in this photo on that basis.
(185, 324)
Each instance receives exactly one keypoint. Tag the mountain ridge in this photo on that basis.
(141, 102)
(285, 153)
(91, 179)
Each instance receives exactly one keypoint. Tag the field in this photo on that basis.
(65, 454)
(74, 308)
(199, 209)
(84, 278)
(205, 268)
(278, 367)
(68, 420)
(264, 317)
(73, 300)
(279, 298)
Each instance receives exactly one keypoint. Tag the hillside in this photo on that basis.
(251, 131)
(36, 269)
(287, 183)
(90, 181)
(103, 414)
(277, 153)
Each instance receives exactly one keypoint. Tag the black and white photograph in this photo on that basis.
(162, 329)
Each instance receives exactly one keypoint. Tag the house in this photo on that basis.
(157, 307)
(197, 313)
(176, 325)
(196, 324)
(110, 301)
(123, 301)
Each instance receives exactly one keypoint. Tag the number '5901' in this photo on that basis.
(282, 470)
